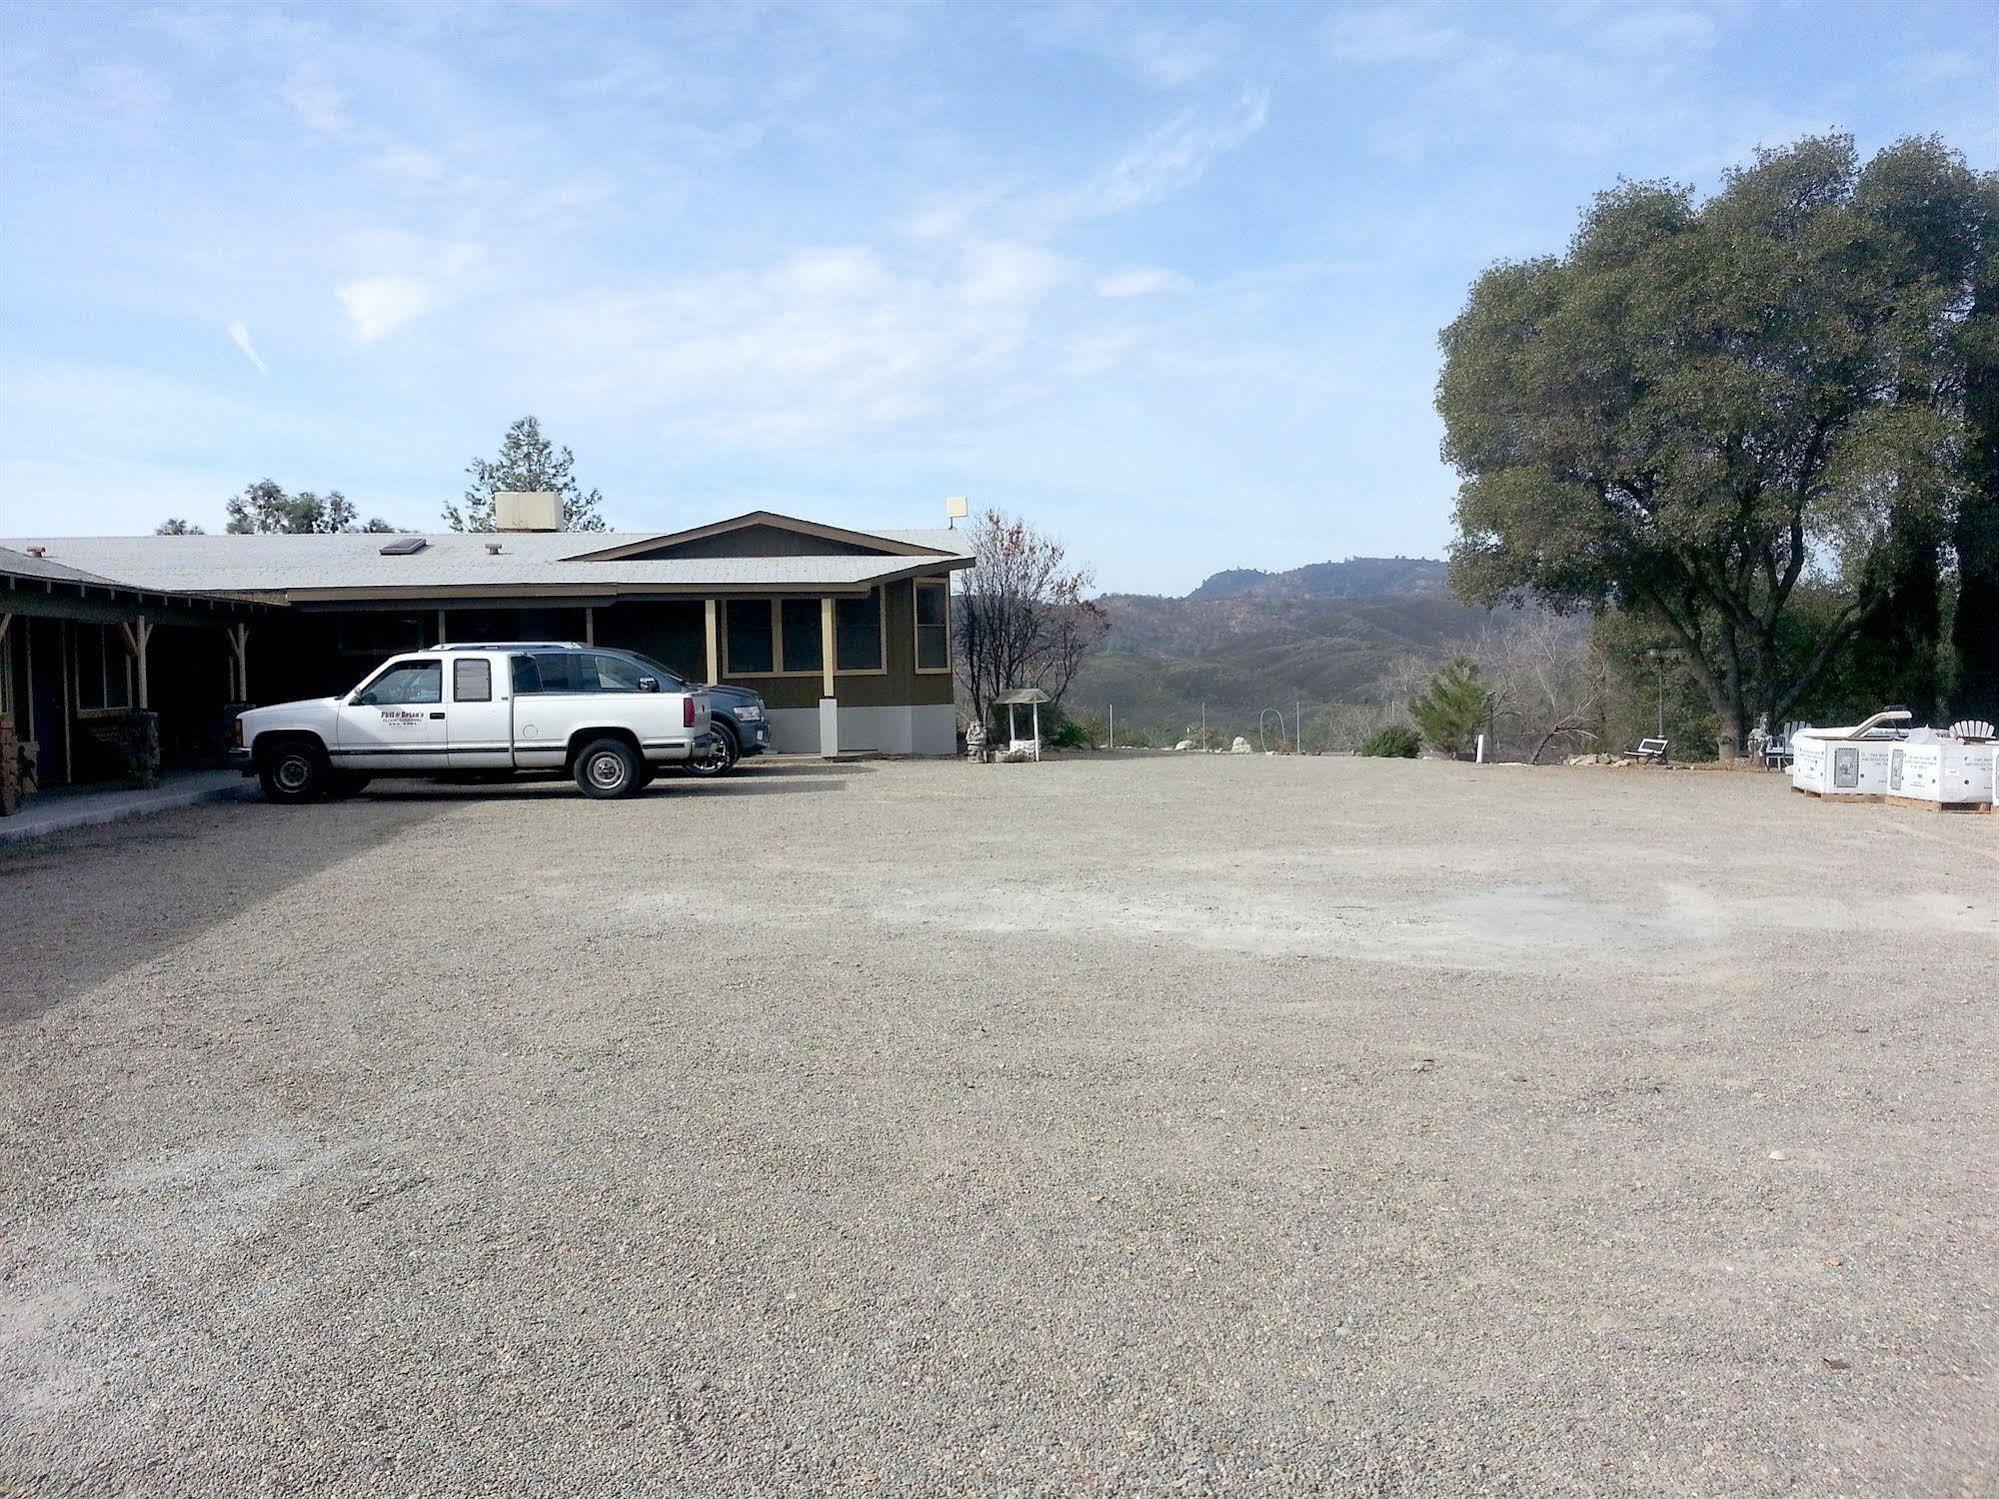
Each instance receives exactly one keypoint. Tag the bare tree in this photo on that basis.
(1549, 679)
(1022, 617)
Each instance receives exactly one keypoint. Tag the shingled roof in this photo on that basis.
(307, 567)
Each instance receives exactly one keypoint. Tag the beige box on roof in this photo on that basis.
(539, 510)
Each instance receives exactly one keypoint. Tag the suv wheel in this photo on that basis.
(607, 768)
(723, 760)
(294, 773)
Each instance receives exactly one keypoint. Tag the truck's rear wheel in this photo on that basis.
(295, 772)
(607, 768)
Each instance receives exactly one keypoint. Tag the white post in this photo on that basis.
(1037, 731)
(709, 610)
(829, 702)
(1481, 749)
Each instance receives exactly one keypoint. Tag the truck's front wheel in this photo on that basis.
(607, 768)
(295, 772)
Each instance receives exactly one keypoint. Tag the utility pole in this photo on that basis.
(1113, 743)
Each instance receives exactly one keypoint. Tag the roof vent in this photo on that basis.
(405, 546)
(37, 551)
(515, 511)
(492, 549)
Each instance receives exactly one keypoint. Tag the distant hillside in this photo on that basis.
(1246, 640)
(1355, 578)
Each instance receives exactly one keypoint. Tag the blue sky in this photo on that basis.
(1165, 279)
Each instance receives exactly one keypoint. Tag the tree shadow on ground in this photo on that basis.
(85, 905)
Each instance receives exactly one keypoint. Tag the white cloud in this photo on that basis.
(819, 347)
(1137, 38)
(1143, 281)
(1388, 35)
(319, 105)
(379, 305)
(239, 335)
(132, 98)
(1649, 33)
(1005, 272)
(1176, 155)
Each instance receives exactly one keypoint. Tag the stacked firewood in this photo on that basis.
(11, 790)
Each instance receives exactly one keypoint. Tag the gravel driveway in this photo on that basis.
(1118, 1125)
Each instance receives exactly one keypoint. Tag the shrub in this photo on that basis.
(1397, 741)
(1064, 732)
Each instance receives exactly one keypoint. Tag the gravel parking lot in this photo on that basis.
(1118, 1125)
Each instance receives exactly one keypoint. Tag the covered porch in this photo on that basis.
(101, 682)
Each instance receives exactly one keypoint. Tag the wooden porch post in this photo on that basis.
(826, 645)
(710, 608)
(138, 635)
(238, 636)
(829, 705)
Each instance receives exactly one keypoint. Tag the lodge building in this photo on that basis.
(845, 633)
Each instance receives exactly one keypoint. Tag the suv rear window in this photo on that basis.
(527, 677)
(557, 672)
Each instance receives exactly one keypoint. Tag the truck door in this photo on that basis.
(395, 719)
(481, 725)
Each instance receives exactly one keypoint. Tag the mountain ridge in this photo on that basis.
(1246, 639)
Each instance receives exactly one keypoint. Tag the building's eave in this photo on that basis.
(886, 544)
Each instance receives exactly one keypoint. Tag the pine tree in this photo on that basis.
(528, 463)
(173, 525)
(1452, 707)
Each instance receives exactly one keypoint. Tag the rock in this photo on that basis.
(1240, 747)
(1184, 744)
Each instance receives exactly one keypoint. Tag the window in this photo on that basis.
(933, 624)
(857, 633)
(527, 677)
(749, 637)
(610, 674)
(103, 679)
(472, 681)
(404, 683)
(799, 619)
(558, 673)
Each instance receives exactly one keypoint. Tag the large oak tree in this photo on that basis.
(1704, 407)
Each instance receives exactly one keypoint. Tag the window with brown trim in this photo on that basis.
(857, 633)
(800, 648)
(933, 624)
(747, 634)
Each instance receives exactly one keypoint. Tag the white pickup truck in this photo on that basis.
(602, 715)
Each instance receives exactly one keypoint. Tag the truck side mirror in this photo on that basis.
(648, 684)
(364, 699)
